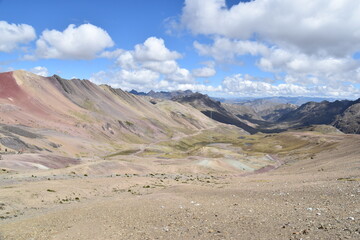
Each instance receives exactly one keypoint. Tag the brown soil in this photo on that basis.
(315, 197)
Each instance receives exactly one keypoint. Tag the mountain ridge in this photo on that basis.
(92, 114)
(62, 102)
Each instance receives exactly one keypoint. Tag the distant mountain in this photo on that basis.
(243, 112)
(222, 100)
(269, 109)
(310, 113)
(349, 120)
(271, 114)
(274, 115)
(281, 100)
(214, 110)
(342, 114)
(138, 93)
(162, 94)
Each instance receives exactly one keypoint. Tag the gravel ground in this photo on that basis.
(305, 198)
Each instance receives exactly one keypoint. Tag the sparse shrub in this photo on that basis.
(130, 124)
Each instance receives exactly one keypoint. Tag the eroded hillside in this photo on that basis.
(82, 161)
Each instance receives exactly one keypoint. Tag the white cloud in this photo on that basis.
(142, 76)
(41, 71)
(181, 75)
(303, 68)
(145, 80)
(199, 88)
(241, 86)
(225, 50)
(126, 60)
(151, 66)
(204, 72)
(125, 79)
(164, 67)
(82, 42)
(13, 35)
(153, 49)
(329, 27)
(297, 66)
(152, 54)
(153, 57)
(111, 54)
(303, 46)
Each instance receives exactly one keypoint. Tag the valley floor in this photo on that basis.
(314, 196)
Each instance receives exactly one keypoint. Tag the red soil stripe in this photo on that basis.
(10, 89)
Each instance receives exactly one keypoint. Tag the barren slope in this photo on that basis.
(78, 118)
(313, 195)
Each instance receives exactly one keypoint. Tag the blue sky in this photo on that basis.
(223, 48)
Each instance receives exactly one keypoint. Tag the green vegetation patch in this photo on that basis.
(349, 179)
(124, 152)
(283, 143)
(82, 116)
(89, 105)
(198, 144)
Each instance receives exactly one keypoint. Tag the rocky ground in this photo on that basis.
(308, 197)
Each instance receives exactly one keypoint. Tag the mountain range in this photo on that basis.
(68, 113)
(274, 114)
(83, 117)
(162, 94)
(86, 161)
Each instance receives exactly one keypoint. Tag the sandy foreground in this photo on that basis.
(305, 198)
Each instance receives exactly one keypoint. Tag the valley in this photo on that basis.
(86, 161)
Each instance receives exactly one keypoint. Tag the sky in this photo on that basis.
(223, 48)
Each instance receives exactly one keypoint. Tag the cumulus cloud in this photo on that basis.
(163, 67)
(226, 50)
(181, 75)
(308, 49)
(303, 68)
(153, 49)
(146, 80)
(241, 85)
(199, 88)
(41, 71)
(153, 55)
(324, 26)
(297, 66)
(204, 72)
(126, 60)
(149, 65)
(152, 66)
(111, 54)
(13, 35)
(83, 42)
(141, 76)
